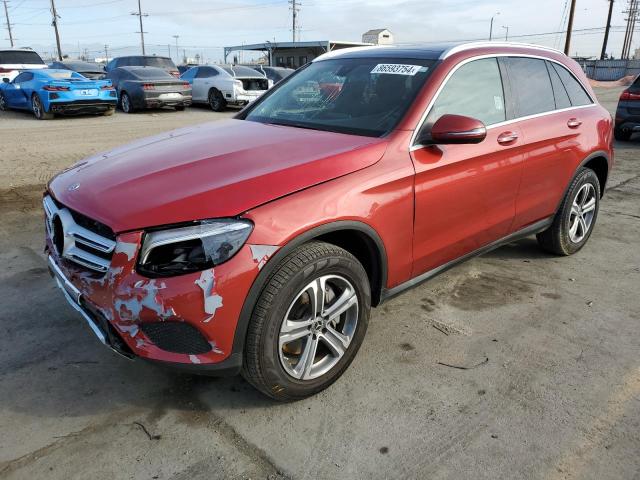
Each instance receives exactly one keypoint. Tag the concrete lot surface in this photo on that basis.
(554, 392)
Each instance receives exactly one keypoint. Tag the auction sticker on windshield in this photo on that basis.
(398, 69)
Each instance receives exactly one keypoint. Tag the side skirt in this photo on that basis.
(537, 227)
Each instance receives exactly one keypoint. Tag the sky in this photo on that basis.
(204, 27)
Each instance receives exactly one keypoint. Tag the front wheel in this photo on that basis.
(38, 109)
(574, 221)
(3, 103)
(308, 323)
(179, 108)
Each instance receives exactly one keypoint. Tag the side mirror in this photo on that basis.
(457, 129)
(6, 80)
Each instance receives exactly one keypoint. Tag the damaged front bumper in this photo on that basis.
(186, 322)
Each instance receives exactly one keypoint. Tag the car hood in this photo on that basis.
(212, 170)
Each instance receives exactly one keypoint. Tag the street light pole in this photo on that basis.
(177, 51)
(567, 43)
(491, 26)
(506, 35)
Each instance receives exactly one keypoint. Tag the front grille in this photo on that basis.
(176, 337)
(78, 238)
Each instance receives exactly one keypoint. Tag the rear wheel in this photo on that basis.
(574, 221)
(125, 103)
(217, 101)
(622, 134)
(308, 323)
(38, 108)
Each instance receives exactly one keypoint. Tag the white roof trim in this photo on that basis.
(468, 46)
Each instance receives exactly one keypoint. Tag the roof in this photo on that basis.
(375, 31)
(426, 52)
(326, 44)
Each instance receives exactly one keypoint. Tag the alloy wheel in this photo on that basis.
(582, 213)
(318, 327)
(36, 106)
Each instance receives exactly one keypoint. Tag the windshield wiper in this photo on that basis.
(300, 125)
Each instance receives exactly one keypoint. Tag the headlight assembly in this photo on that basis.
(183, 250)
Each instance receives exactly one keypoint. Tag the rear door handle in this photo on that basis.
(574, 123)
(507, 138)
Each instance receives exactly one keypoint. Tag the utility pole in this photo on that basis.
(606, 32)
(506, 34)
(139, 14)
(54, 23)
(632, 13)
(567, 42)
(106, 53)
(6, 14)
(295, 7)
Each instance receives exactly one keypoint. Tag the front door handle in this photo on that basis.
(574, 123)
(507, 138)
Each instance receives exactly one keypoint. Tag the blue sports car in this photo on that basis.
(50, 91)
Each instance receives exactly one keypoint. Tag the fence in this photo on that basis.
(607, 70)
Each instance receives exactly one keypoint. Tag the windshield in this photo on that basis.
(82, 66)
(360, 96)
(20, 57)
(159, 62)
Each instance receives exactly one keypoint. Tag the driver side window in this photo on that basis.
(474, 90)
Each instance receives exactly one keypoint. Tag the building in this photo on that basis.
(292, 54)
(379, 36)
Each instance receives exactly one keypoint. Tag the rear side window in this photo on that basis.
(9, 57)
(531, 85)
(189, 74)
(206, 72)
(559, 92)
(576, 92)
(474, 90)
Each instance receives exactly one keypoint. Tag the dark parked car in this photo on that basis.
(628, 112)
(94, 71)
(275, 74)
(149, 87)
(144, 61)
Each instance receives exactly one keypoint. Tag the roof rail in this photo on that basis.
(469, 45)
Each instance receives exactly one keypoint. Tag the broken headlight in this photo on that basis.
(189, 249)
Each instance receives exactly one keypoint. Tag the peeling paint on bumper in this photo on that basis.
(127, 300)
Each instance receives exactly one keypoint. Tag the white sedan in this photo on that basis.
(222, 85)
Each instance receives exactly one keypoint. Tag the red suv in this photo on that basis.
(259, 244)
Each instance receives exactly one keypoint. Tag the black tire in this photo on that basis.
(109, 112)
(179, 108)
(125, 103)
(262, 366)
(216, 100)
(622, 134)
(3, 103)
(38, 108)
(556, 239)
